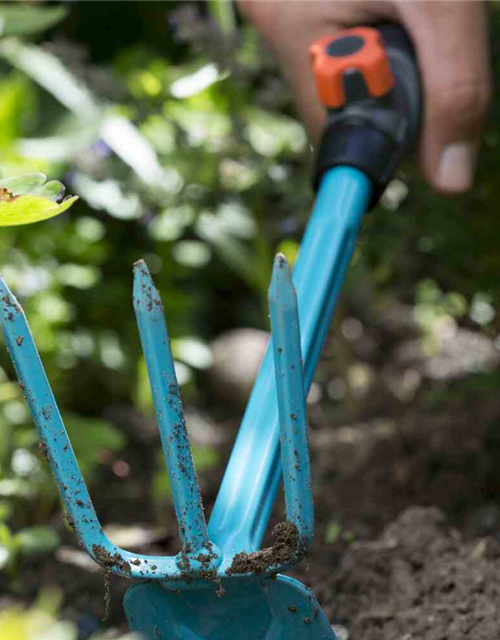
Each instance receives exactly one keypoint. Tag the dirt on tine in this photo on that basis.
(44, 451)
(108, 561)
(286, 543)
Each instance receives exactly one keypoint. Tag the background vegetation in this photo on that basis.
(172, 124)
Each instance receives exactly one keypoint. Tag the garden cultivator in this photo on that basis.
(221, 585)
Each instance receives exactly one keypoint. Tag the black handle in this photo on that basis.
(368, 78)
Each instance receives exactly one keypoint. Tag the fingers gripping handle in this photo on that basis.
(368, 79)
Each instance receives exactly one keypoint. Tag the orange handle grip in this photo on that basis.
(351, 61)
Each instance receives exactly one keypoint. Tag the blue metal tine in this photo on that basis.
(57, 449)
(166, 397)
(294, 444)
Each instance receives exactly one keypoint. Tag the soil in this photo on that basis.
(418, 579)
(407, 500)
(108, 561)
(285, 546)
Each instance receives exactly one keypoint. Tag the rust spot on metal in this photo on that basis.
(292, 608)
(19, 341)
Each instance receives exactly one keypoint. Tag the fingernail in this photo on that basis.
(456, 166)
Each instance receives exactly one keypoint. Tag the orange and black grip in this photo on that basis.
(368, 79)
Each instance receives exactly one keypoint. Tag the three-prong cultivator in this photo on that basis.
(221, 585)
(207, 586)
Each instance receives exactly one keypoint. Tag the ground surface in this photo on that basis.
(407, 494)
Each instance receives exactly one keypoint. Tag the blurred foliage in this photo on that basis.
(177, 133)
(39, 621)
(28, 542)
(203, 457)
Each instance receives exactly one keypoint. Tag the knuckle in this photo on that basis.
(465, 102)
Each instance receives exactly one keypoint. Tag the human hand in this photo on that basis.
(450, 40)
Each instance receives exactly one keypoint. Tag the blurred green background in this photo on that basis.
(173, 125)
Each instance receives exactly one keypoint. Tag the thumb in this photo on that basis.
(452, 48)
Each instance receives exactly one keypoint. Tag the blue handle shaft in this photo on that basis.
(248, 490)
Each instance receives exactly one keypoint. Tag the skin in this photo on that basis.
(450, 39)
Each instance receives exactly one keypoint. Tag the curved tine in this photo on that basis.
(291, 401)
(56, 448)
(167, 401)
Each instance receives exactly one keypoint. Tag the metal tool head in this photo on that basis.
(254, 609)
(202, 592)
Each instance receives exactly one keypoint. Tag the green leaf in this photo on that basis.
(29, 198)
(53, 190)
(50, 73)
(6, 537)
(24, 19)
(28, 183)
(27, 209)
(37, 540)
(34, 184)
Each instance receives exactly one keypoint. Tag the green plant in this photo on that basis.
(29, 198)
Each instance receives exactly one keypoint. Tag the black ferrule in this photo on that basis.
(359, 145)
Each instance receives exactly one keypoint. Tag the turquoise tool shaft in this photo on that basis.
(247, 494)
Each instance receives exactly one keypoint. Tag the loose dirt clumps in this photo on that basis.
(284, 548)
(107, 561)
(418, 580)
